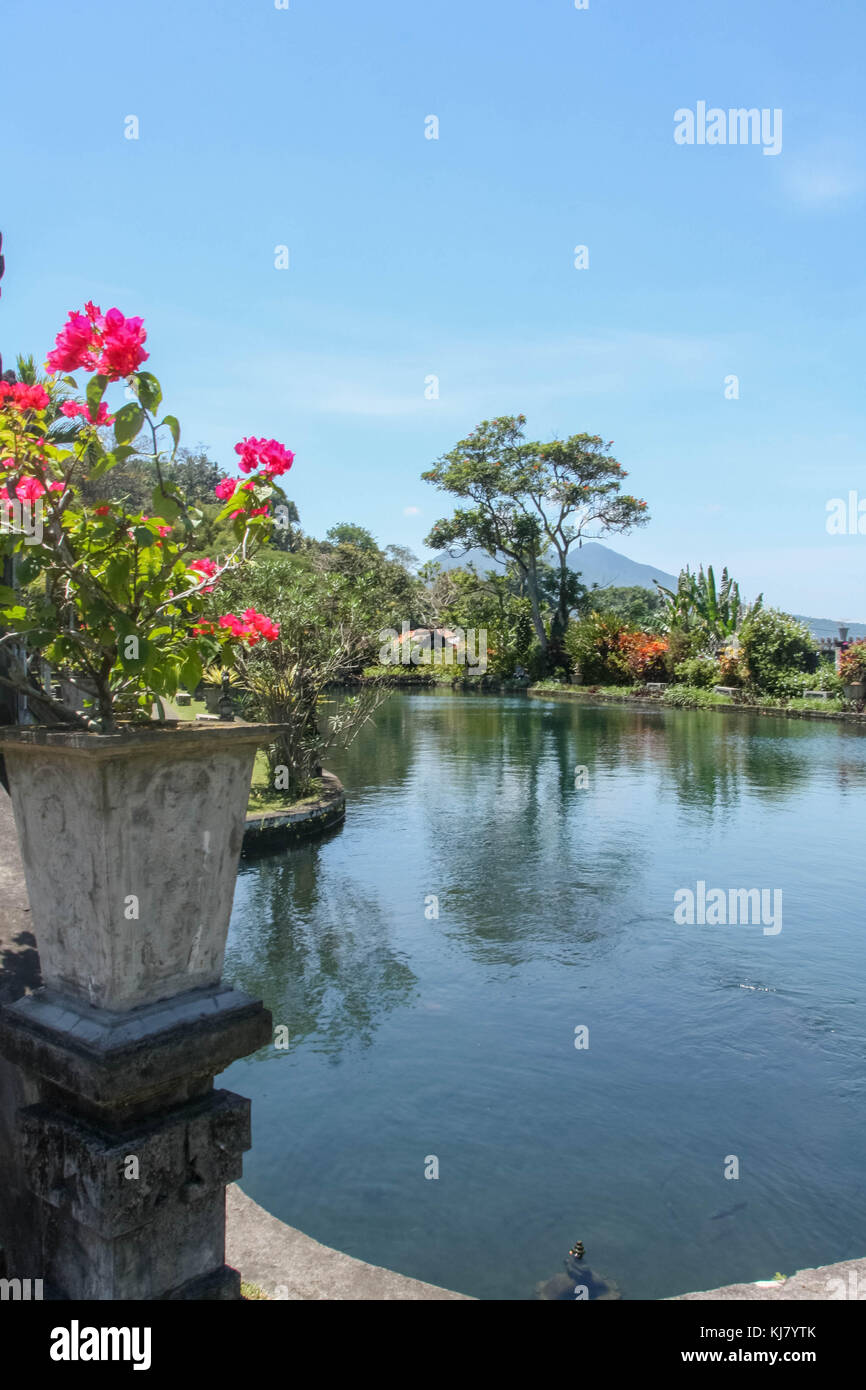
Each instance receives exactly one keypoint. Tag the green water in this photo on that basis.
(414, 1036)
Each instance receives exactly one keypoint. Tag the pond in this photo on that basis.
(460, 1036)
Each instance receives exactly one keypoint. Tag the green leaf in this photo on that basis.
(171, 423)
(191, 670)
(149, 390)
(117, 577)
(165, 504)
(103, 465)
(95, 392)
(144, 537)
(127, 422)
(7, 595)
(14, 615)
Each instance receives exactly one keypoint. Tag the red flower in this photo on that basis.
(101, 511)
(225, 489)
(122, 345)
(72, 408)
(266, 454)
(73, 346)
(22, 397)
(204, 566)
(29, 489)
(254, 627)
(111, 344)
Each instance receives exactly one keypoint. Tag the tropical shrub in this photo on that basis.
(643, 654)
(774, 646)
(701, 671)
(593, 646)
(731, 666)
(852, 662)
(794, 684)
(607, 652)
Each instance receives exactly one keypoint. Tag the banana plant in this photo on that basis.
(696, 605)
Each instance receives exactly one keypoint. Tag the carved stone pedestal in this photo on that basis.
(128, 1148)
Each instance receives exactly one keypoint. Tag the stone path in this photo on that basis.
(289, 1265)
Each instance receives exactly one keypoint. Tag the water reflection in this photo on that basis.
(316, 947)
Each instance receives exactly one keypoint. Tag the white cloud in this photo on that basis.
(411, 511)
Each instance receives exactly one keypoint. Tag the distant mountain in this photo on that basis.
(595, 563)
(598, 564)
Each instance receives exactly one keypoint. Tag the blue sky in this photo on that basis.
(411, 257)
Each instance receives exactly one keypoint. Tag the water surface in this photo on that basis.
(413, 1036)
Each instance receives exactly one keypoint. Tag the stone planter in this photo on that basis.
(855, 691)
(130, 843)
(123, 1148)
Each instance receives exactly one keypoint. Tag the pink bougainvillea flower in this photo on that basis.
(73, 346)
(225, 489)
(266, 454)
(205, 569)
(253, 628)
(23, 397)
(57, 487)
(29, 489)
(72, 408)
(122, 345)
(111, 344)
(204, 566)
(164, 530)
(259, 511)
(261, 623)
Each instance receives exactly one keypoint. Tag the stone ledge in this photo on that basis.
(270, 830)
(107, 1058)
(292, 1266)
(845, 1282)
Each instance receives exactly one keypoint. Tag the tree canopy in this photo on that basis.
(531, 503)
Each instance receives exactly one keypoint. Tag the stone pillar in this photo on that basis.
(128, 1148)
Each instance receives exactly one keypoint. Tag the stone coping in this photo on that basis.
(266, 830)
(288, 1265)
(843, 1281)
(181, 735)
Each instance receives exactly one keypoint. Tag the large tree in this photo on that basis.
(531, 503)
